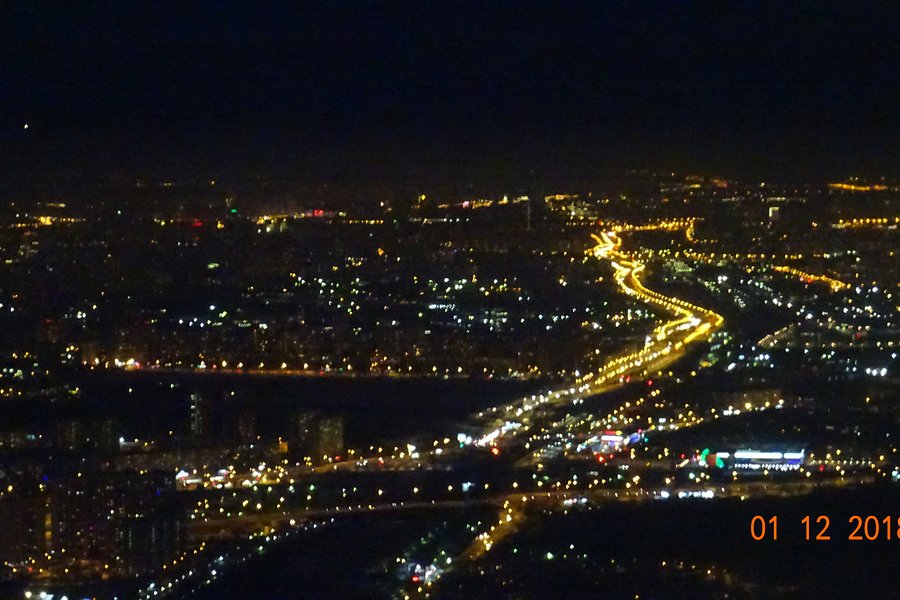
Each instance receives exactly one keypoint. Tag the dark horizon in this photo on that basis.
(405, 92)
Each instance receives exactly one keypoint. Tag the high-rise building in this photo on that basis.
(199, 415)
(331, 436)
(318, 436)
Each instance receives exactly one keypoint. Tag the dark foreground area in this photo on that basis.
(665, 549)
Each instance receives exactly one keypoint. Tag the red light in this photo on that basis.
(682, 456)
(197, 223)
(627, 378)
(495, 450)
(649, 382)
(415, 578)
(821, 468)
(600, 458)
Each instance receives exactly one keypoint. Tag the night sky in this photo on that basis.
(388, 91)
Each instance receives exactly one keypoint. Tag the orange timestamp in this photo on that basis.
(860, 528)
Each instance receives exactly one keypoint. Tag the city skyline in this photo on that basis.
(395, 300)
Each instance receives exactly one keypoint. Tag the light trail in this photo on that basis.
(692, 323)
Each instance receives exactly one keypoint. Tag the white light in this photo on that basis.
(753, 454)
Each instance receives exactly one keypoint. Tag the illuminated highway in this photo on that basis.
(665, 344)
(237, 526)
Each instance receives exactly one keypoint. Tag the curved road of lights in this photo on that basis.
(691, 323)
